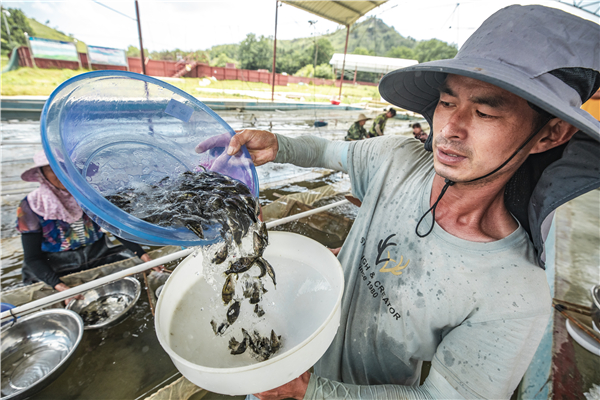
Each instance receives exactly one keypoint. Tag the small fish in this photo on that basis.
(275, 342)
(220, 255)
(220, 329)
(228, 290)
(237, 347)
(233, 312)
(265, 267)
(197, 229)
(258, 311)
(240, 265)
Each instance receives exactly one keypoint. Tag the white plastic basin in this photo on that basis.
(304, 309)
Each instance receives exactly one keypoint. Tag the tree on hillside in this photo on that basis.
(230, 50)
(363, 51)
(401, 52)
(222, 60)
(372, 34)
(289, 60)
(434, 49)
(256, 53)
(201, 56)
(307, 71)
(177, 55)
(324, 70)
(17, 25)
(324, 52)
(133, 51)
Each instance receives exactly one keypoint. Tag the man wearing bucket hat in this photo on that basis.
(445, 260)
(357, 130)
(58, 237)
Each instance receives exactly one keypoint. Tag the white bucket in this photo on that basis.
(304, 309)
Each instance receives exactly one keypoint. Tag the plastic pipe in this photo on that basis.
(294, 217)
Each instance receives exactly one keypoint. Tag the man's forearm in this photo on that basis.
(311, 151)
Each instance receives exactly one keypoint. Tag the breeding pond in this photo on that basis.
(126, 360)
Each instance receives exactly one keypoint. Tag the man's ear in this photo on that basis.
(555, 133)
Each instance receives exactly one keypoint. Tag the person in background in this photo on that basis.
(58, 237)
(379, 123)
(357, 130)
(418, 132)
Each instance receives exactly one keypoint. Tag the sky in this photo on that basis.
(198, 25)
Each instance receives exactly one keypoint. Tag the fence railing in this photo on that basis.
(171, 69)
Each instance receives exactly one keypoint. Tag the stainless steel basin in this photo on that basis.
(37, 349)
(108, 304)
(596, 307)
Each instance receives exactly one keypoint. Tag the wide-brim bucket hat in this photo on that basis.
(39, 160)
(517, 49)
(362, 117)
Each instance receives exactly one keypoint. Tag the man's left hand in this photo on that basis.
(291, 390)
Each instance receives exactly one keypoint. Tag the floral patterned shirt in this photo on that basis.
(57, 235)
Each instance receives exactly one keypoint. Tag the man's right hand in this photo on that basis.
(262, 145)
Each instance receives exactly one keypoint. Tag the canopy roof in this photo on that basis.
(342, 12)
(362, 63)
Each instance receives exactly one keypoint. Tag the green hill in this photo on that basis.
(42, 31)
(372, 34)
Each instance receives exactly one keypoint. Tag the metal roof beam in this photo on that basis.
(342, 12)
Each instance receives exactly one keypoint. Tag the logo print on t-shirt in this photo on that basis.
(396, 269)
(383, 244)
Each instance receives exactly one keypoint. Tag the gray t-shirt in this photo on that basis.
(476, 310)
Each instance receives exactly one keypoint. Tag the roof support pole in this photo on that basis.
(274, 51)
(137, 13)
(344, 62)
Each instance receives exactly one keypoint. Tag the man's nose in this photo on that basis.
(456, 124)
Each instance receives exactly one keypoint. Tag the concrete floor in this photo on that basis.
(575, 369)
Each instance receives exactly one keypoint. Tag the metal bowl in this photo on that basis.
(108, 304)
(596, 307)
(37, 349)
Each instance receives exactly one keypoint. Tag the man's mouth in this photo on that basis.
(449, 156)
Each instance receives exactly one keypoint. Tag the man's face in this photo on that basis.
(417, 130)
(476, 127)
(363, 122)
(389, 114)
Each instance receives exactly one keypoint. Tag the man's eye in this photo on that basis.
(482, 115)
(444, 103)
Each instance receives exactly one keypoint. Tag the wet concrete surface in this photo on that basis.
(577, 270)
(578, 248)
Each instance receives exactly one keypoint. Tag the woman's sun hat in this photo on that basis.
(544, 55)
(39, 160)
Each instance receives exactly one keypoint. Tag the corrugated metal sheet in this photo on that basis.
(362, 63)
(342, 12)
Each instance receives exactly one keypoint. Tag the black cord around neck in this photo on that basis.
(432, 209)
(450, 183)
